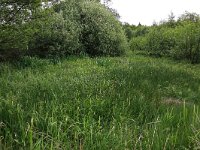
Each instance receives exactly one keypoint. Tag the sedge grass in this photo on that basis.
(133, 102)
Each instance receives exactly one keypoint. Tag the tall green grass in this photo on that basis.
(132, 102)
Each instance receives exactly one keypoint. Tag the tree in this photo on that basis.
(129, 30)
(171, 20)
(102, 33)
(17, 11)
(188, 42)
(15, 26)
(58, 28)
(78, 27)
(187, 16)
(55, 37)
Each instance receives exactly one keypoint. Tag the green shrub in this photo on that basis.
(129, 30)
(188, 42)
(181, 42)
(160, 41)
(138, 43)
(55, 37)
(13, 41)
(178, 39)
(141, 31)
(102, 33)
(78, 28)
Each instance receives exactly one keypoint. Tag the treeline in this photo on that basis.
(179, 39)
(55, 29)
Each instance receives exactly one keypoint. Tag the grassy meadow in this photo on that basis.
(130, 102)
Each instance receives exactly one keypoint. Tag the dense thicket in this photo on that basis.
(56, 32)
(14, 15)
(101, 32)
(58, 29)
(179, 39)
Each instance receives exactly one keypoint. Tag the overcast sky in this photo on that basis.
(148, 11)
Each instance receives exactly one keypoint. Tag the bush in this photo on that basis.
(178, 39)
(160, 41)
(188, 42)
(13, 41)
(138, 43)
(78, 28)
(102, 33)
(55, 37)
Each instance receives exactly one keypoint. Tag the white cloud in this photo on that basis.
(147, 11)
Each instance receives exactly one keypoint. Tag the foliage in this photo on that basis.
(102, 34)
(15, 29)
(141, 31)
(160, 41)
(14, 41)
(17, 11)
(54, 37)
(138, 43)
(59, 28)
(189, 17)
(129, 30)
(188, 42)
(178, 39)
